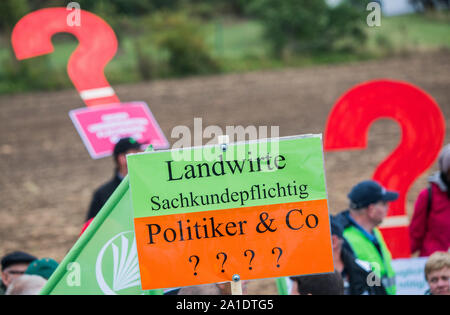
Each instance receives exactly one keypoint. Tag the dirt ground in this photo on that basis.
(48, 177)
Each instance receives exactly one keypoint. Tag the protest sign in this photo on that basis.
(257, 209)
(410, 275)
(100, 127)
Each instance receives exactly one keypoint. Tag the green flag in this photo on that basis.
(104, 259)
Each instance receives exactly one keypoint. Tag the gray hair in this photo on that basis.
(26, 285)
(444, 159)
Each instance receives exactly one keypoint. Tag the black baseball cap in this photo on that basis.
(17, 257)
(369, 192)
(126, 144)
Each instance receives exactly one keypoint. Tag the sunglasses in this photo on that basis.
(15, 272)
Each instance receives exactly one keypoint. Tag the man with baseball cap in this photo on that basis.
(123, 147)
(368, 208)
(13, 265)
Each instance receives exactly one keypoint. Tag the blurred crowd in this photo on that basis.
(24, 274)
(362, 260)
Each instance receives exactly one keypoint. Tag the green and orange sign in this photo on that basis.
(256, 209)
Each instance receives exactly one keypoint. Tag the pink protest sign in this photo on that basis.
(100, 127)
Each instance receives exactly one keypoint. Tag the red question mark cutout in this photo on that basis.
(32, 35)
(423, 131)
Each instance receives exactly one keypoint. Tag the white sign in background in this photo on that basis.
(410, 275)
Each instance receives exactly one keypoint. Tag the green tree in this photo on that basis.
(182, 37)
(10, 13)
(303, 25)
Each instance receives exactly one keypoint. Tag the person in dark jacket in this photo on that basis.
(123, 147)
(368, 208)
(429, 229)
(357, 274)
(318, 284)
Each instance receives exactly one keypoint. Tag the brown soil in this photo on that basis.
(48, 176)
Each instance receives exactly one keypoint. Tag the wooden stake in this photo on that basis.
(236, 285)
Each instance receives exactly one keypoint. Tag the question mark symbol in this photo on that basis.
(196, 263)
(253, 256)
(279, 255)
(423, 132)
(32, 35)
(224, 259)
